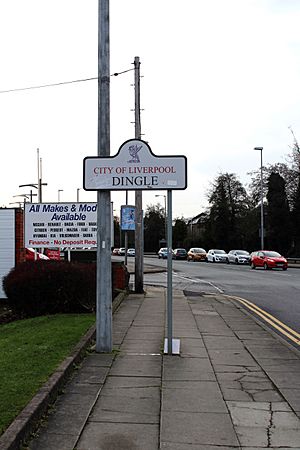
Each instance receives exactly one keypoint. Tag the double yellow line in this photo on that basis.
(281, 327)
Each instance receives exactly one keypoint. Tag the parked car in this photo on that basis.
(121, 251)
(162, 253)
(268, 259)
(196, 254)
(131, 252)
(179, 253)
(31, 255)
(115, 251)
(217, 255)
(239, 257)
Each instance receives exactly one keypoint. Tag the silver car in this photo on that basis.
(217, 255)
(239, 257)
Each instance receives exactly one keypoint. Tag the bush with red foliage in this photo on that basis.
(40, 287)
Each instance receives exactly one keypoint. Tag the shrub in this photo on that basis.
(40, 287)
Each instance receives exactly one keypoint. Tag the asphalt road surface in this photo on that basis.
(275, 291)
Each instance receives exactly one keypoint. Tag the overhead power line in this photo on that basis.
(28, 88)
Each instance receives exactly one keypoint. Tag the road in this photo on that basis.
(275, 291)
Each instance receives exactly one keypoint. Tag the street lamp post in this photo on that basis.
(37, 186)
(261, 198)
(165, 207)
(58, 194)
(26, 196)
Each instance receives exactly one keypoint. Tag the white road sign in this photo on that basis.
(135, 167)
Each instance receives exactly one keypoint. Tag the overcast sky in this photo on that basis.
(219, 78)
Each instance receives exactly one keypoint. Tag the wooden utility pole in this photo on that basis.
(139, 250)
(104, 283)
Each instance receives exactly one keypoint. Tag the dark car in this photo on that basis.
(179, 253)
(268, 259)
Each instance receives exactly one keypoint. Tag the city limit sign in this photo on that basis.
(134, 167)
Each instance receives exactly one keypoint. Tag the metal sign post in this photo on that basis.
(135, 167)
(171, 346)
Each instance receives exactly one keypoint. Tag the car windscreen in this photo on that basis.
(272, 254)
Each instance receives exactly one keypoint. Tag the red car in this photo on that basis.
(30, 255)
(268, 260)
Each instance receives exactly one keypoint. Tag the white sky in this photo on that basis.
(219, 78)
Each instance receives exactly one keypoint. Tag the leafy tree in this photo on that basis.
(154, 227)
(278, 215)
(295, 250)
(179, 233)
(229, 205)
(117, 232)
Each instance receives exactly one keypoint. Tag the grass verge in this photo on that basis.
(30, 351)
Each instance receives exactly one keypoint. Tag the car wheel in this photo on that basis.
(266, 267)
(228, 261)
(213, 260)
(253, 266)
(236, 261)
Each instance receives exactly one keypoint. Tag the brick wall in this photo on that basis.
(19, 227)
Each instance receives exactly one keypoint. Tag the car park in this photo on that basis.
(162, 253)
(131, 252)
(179, 253)
(268, 259)
(217, 255)
(196, 254)
(239, 257)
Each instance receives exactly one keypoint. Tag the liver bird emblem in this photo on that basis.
(133, 151)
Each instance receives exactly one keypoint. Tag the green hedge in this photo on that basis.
(35, 288)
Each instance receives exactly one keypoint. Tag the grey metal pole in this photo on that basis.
(169, 277)
(261, 201)
(126, 235)
(139, 276)
(104, 284)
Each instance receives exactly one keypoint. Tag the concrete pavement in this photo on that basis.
(234, 385)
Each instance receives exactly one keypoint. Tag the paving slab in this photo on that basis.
(275, 352)
(255, 385)
(131, 404)
(192, 369)
(137, 365)
(146, 346)
(174, 446)
(292, 396)
(204, 396)
(232, 356)
(54, 442)
(119, 436)
(197, 428)
(125, 382)
(222, 343)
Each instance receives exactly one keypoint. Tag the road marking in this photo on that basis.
(277, 324)
(186, 278)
